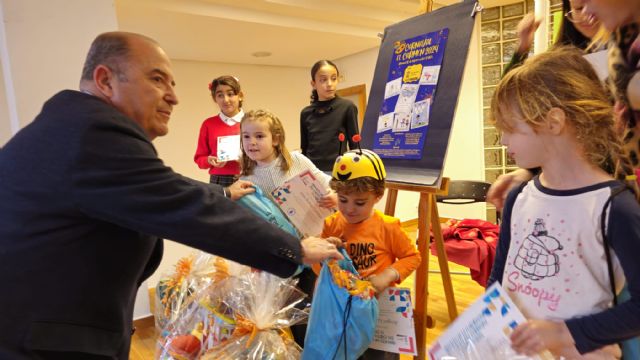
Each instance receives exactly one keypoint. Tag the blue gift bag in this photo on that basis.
(341, 326)
(263, 206)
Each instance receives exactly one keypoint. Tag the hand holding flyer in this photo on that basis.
(483, 330)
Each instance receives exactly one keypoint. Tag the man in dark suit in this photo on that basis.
(84, 199)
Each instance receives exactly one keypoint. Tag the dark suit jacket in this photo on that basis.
(83, 201)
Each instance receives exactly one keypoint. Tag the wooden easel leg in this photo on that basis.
(422, 276)
(390, 205)
(442, 261)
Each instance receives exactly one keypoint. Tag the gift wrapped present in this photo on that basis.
(192, 314)
(264, 307)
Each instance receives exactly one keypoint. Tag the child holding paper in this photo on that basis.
(380, 250)
(267, 163)
(220, 134)
(571, 235)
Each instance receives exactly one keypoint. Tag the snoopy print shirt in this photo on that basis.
(551, 259)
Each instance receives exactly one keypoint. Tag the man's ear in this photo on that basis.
(556, 120)
(103, 78)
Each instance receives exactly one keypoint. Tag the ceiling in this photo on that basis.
(294, 32)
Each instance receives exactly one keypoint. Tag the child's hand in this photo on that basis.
(213, 161)
(337, 242)
(382, 281)
(535, 336)
(329, 201)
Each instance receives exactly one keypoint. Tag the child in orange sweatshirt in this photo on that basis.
(381, 251)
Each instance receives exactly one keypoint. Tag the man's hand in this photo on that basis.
(315, 250)
(504, 183)
(240, 188)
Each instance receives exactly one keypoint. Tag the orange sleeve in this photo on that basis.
(404, 250)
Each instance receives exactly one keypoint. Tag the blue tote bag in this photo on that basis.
(261, 205)
(341, 326)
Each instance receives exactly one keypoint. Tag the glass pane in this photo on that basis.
(491, 175)
(491, 54)
(530, 6)
(555, 2)
(516, 9)
(487, 93)
(510, 160)
(491, 137)
(509, 29)
(493, 157)
(490, 32)
(491, 14)
(508, 49)
(491, 75)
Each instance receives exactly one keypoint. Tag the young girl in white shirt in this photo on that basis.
(267, 163)
(557, 229)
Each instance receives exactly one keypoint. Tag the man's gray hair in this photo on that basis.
(112, 50)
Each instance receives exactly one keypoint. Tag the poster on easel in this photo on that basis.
(413, 76)
(415, 92)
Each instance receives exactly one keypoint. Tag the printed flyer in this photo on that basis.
(395, 331)
(298, 198)
(403, 120)
(228, 148)
(482, 331)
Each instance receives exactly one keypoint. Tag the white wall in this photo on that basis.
(283, 90)
(43, 49)
(465, 159)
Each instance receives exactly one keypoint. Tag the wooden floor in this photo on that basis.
(465, 289)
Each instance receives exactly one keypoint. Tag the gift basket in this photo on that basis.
(191, 316)
(264, 307)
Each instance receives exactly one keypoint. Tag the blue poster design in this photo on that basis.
(403, 120)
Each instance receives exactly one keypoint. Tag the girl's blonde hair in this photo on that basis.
(562, 78)
(277, 133)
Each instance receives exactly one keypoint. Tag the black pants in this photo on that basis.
(222, 180)
(306, 283)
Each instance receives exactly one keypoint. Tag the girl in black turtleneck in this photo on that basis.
(326, 117)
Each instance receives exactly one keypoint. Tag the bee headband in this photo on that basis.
(358, 163)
